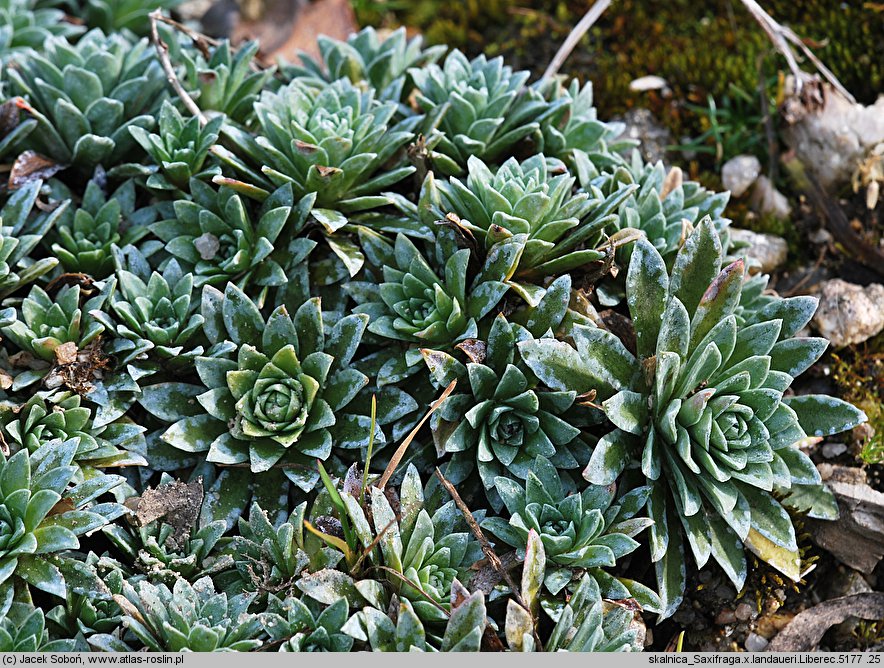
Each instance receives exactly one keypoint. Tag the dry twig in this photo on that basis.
(783, 37)
(575, 36)
(200, 41)
(163, 54)
(490, 554)
(400, 451)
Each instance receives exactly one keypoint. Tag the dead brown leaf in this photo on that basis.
(86, 366)
(286, 27)
(474, 349)
(31, 166)
(10, 117)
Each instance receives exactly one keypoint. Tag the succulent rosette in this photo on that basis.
(274, 389)
(701, 410)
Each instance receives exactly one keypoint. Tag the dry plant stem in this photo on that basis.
(490, 554)
(415, 585)
(575, 36)
(200, 41)
(800, 284)
(840, 228)
(163, 54)
(400, 451)
(782, 36)
(371, 546)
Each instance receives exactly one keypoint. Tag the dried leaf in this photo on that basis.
(31, 166)
(474, 349)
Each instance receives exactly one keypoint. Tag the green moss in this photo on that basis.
(701, 49)
(859, 376)
(868, 633)
(763, 580)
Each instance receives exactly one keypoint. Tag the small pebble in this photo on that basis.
(820, 236)
(755, 643)
(725, 617)
(849, 313)
(724, 592)
(738, 173)
(832, 450)
(743, 612)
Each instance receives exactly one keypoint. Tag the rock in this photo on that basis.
(193, 10)
(832, 141)
(740, 172)
(832, 450)
(743, 612)
(850, 475)
(769, 625)
(653, 137)
(805, 631)
(770, 250)
(649, 82)
(725, 592)
(755, 643)
(820, 236)
(725, 617)
(846, 582)
(857, 538)
(849, 313)
(768, 201)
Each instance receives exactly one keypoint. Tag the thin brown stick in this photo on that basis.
(490, 554)
(574, 37)
(804, 279)
(163, 54)
(371, 546)
(838, 224)
(781, 36)
(400, 451)
(200, 41)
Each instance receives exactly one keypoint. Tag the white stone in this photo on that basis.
(650, 82)
(740, 172)
(832, 450)
(849, 313)
(767, 200)
(770, 250)
(831, 142)
(756, 643)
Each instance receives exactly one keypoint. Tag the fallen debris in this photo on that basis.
(804, 633)
(176, 503)
(857, 538)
